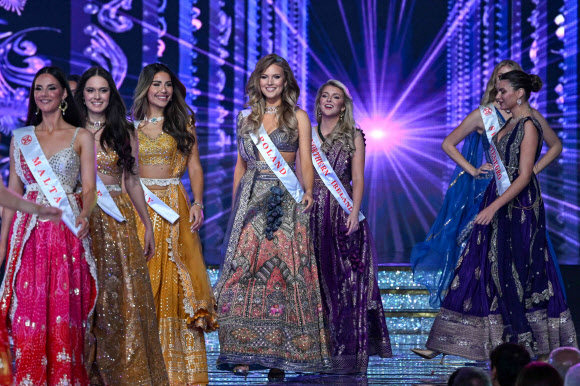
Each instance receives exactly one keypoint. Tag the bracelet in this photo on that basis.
(198, 204)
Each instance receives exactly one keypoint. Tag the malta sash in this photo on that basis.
(106, 202)
(44, 175)
(491, 124)
(329, 177)
(159, 206)
(277, 163)
(154, 202)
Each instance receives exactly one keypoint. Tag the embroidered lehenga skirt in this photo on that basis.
(268, 293)
(506, 287)
(128, 351)
(184, 300)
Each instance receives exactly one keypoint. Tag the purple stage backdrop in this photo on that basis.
(414, 68)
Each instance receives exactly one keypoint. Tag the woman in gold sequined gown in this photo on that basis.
(183, 297)
(128, 351)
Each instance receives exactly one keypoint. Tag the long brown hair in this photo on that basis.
(286, 115)
(177, 115)
(346, 126)
(490, 91)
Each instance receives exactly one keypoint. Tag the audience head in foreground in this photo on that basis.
(469, 376)
(539, 374)
(507, 360)
(563, 358)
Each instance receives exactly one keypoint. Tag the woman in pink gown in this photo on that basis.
(49, 291)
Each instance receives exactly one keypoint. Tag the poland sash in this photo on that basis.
(159, 206)
(277, 163)
(329, 177)
(154, 202)
(44, 175)
(491, 124)
(106, 202)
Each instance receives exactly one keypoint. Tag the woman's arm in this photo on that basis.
(304, 149)
(358, 183)
(88, 180)
(196, 180)
(135, 191)
(16, 185)
(470, 124)
(554, 144)
(12, 201)
(527, 155)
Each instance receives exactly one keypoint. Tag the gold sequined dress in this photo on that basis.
(128, 351)
(183, 297)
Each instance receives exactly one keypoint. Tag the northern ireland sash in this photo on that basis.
(154, 202)
(329, 177)
(159, 206)
(491, 124)
(277, 163)
(44, 175)
(106, 202)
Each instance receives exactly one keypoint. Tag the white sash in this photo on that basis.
(491, 124)
(277, 163)
(159, 206)
(154, 202)
(44, 175)
(106, 202)
(329, 177)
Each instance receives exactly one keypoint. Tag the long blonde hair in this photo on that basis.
(286, 115)
(490, 91)
(345, 128)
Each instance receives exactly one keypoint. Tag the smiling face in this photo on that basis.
(507, 96)
(48, 93)
(160, 91)
(96, 94)
(331, 102)
(272, 83)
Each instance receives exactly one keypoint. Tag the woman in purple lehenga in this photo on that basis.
(344, 247)
(506, 287)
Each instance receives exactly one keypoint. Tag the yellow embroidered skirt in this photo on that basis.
(184, 299)
(125, 327)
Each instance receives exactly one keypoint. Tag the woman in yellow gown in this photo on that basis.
(125, 327)
(183, 296)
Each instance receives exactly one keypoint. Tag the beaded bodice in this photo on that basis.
(156, 151)
(65, 163)
(288, 146)
(107, 164)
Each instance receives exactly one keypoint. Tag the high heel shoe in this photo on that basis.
(276, 374)
(241, 371)
(428, 354)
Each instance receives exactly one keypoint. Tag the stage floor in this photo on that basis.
(404, 368)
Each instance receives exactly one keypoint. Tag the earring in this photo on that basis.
(318, 112)
(63, 106)
(342, 115)
(519, 101)
(37, 111)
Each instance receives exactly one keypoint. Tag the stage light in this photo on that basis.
(560, 32)
(382, 133)
(559, 20)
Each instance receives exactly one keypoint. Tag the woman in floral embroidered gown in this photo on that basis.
(49, 291)
(344, 247)
(268, 292)
(505, 287)
(128, 351)
(183, 297)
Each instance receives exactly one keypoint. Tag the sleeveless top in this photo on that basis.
(66, 164)
(107, 164)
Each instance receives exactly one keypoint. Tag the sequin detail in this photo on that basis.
(157, 151)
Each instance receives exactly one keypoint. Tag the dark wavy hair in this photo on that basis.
(519, 79)
(71, 114)
(177, 115)
(117, 132)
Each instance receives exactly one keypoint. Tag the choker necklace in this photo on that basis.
(96, 125)
(154, 120)
(271, 109)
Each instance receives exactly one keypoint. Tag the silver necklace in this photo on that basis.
(271, 109)
(154, 120)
